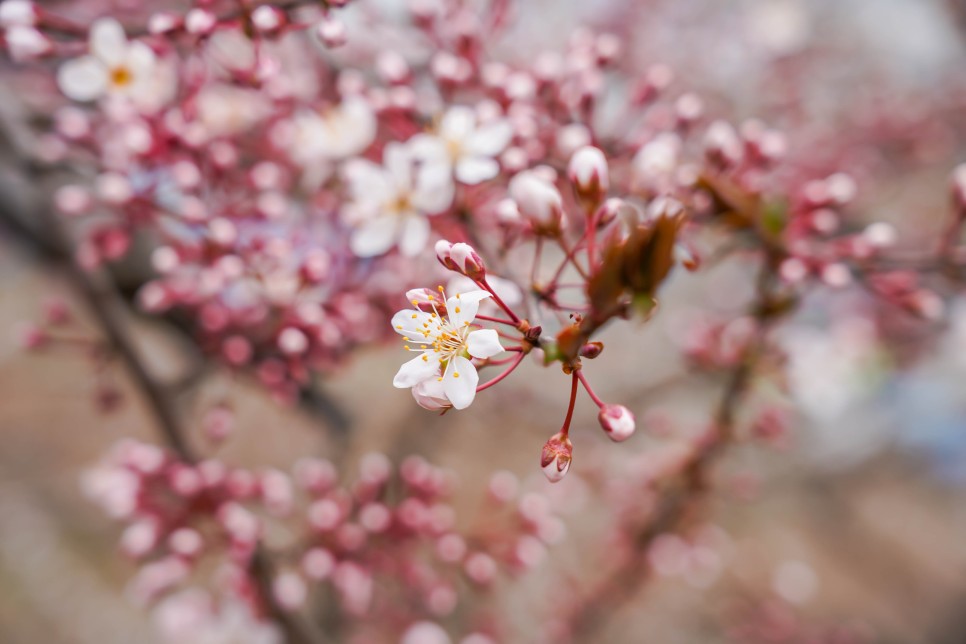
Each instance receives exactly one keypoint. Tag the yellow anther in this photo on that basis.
(425, 358)
(440, 288)
(456, 375)
(398, 326)
(414, 316)
(406, 347)
(457, 309)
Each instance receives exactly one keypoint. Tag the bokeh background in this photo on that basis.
(853, 527)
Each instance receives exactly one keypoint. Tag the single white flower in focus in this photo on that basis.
(390, 203)
(114, 66)
(445, 341)
(469, 147)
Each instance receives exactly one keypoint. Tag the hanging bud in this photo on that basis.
(539, 201)
(556, 457)
(589, 175)
(461, 258)
(617, 421)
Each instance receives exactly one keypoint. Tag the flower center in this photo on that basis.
(121, 76)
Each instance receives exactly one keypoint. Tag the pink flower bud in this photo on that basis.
(722, 146)
(267, 18)
(467, 261)
(332, 32)
(589, 174)
(538, 200)
(425, 299)
(556, 457)
(617, 421)
(26, 43)
(17, 13)
(292, 341)
(200, 22)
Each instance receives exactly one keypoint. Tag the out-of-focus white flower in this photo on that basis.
(425, 633)
(445, 343)
(468, 146)
(114, 66)
(390, 203)
(224, 110)
(339, 132)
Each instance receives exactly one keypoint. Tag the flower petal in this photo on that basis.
(83, 79)
(459, 382)
(490, 139)
(462, 308)
(413, 235)
(434, 188)
(474, 170)
(374, 237)
(457, 123)
(107, 42)
(417, 370)
(410, 323)
(428, 148)
(484, 343)
(399, 165)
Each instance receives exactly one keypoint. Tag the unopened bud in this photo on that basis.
(722, 146)
(17, 13)
(425, 299)
(467, 260)
(332, 32)
(200, 22)
(591, 350)
(556, 457)
(617, 421)
(589, 174)
(26, 43)
(267, 18)
(538, 200)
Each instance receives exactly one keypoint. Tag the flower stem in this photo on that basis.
(565, 430)
(495, 320)
(500, 302)
(507, 372)
(590, 391)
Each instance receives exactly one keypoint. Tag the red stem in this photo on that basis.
(496, 320)
(509, 370)
(565, 430)
(590, 391)
(500, 303)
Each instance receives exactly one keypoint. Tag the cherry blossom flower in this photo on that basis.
(446, 343)
(338, 132)
(467, 145)
(390, 203)
(114, 66)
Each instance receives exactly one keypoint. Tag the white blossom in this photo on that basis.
(468, 146)
(114, 66)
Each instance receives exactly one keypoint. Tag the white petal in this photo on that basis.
(457, 123)
(427, 147)
(410, 323)
(459, 382)
(368, 182)
(140, 59)
(417, 370)
(374, 237)
(474, 170)
(489, 140)
(434, 188)
(413, 236)
(399, 165)
(462, 309)
(82, 79)
(484, 343)
(108, 42)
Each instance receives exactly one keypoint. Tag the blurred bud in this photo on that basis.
(163, 22)
(589, 174)
(17, 13)
(200, 22)
(617, 421)
(959, 188)
(538, 200)
(267, 18)
(591, 350)
(292, 341)
(26, 43)
(880, 234)
(556, 457)
(722, 147)
(332, 32)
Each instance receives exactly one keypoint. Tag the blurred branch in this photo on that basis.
(677, 506)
